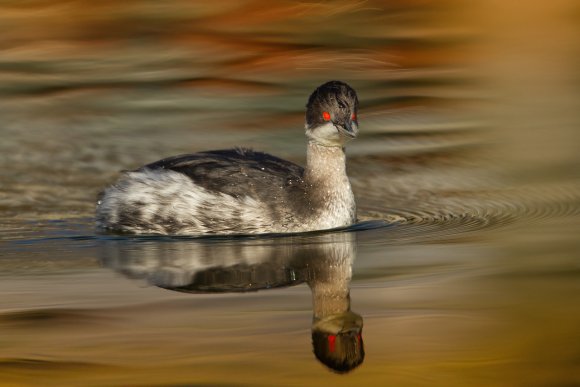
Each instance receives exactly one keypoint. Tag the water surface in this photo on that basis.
(464, 269)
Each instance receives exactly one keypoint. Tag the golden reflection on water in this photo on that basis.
(324, 262)
(468, 146)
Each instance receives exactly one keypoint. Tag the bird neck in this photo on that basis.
(330, 280)
(329, 299)
(325, 164)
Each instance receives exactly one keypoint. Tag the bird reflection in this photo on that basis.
(323, 261)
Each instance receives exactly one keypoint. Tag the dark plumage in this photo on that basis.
(221, 170)
(347, 351)
(333, 96)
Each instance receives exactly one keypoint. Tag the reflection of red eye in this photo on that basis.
(331, 342)
(353, 116)
(326, 116)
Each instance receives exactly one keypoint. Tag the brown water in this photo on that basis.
(465, 268)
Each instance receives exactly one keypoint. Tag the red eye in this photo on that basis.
(326, 116)
(353, 116)
(331, 343)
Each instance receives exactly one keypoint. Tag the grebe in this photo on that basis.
(240, 191)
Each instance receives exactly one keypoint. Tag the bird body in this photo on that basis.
(241, 191)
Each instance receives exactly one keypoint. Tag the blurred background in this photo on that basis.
(469, 147)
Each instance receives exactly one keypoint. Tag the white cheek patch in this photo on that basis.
(326, 134)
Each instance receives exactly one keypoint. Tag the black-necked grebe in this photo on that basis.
(240, 191)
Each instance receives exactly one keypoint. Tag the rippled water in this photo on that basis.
(463, 270)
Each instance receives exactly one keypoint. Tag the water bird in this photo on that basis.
(242, 191)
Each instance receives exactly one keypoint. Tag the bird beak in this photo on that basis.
(348, 128)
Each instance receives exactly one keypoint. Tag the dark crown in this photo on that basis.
(336, 97)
